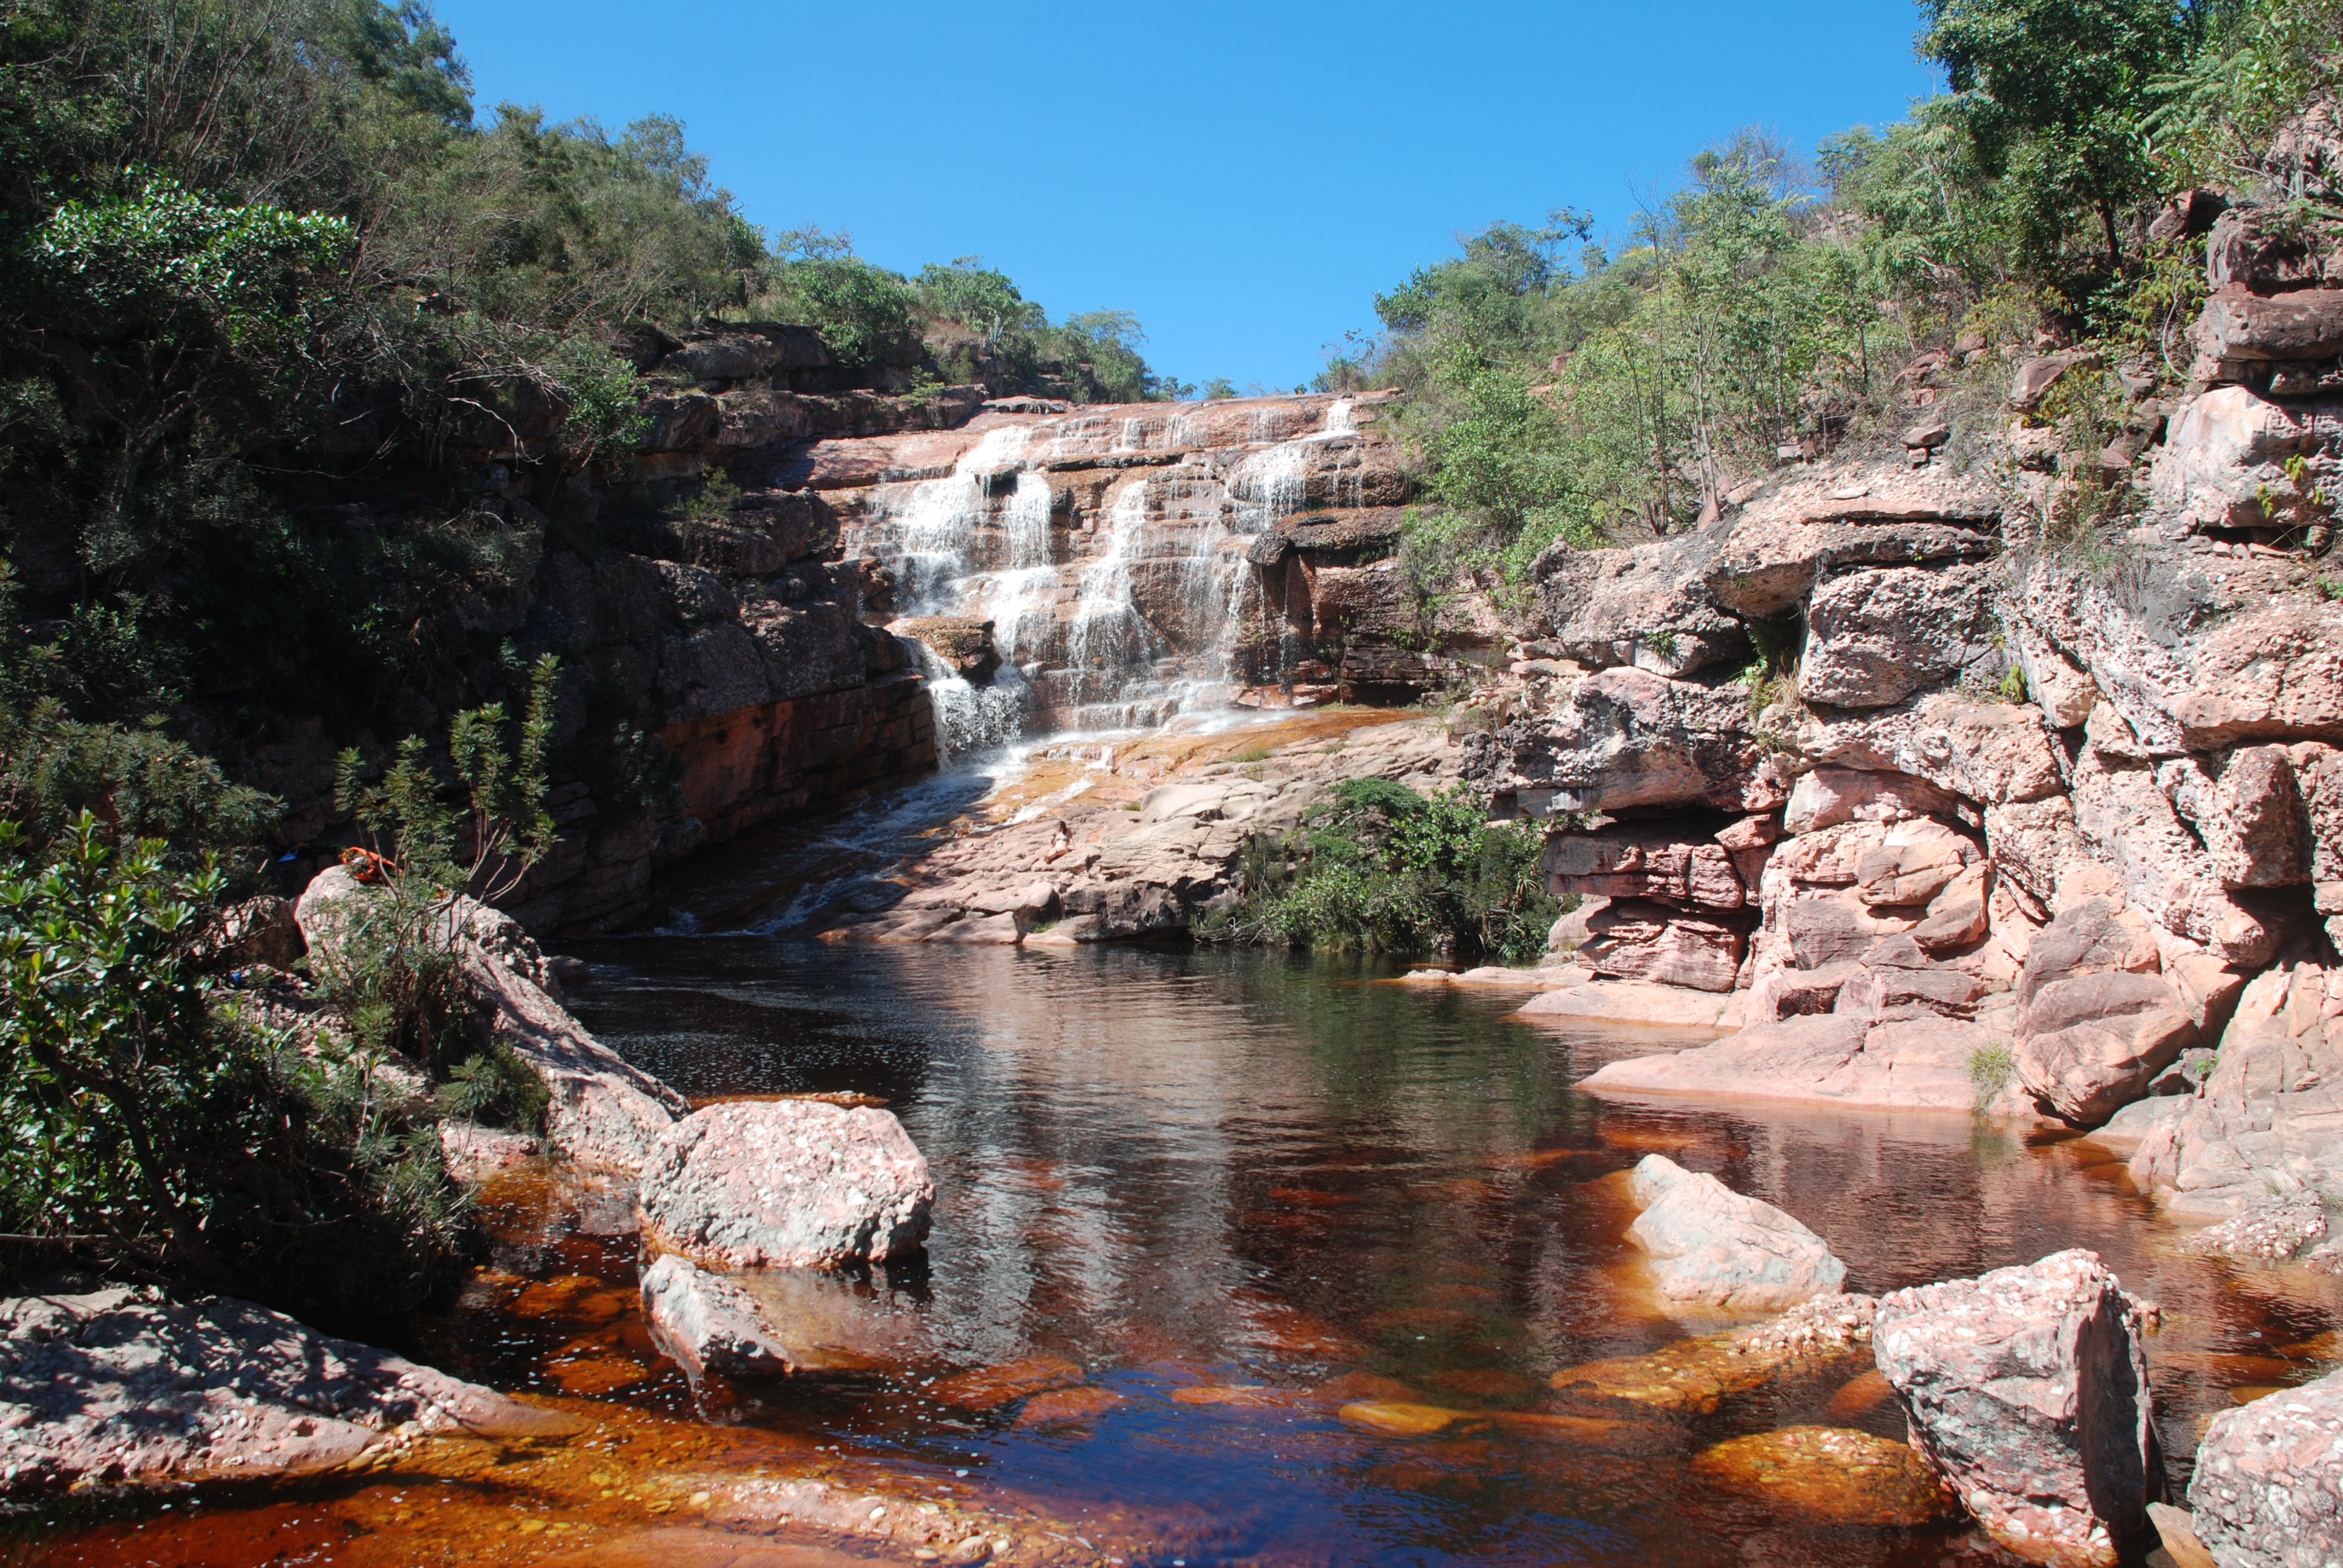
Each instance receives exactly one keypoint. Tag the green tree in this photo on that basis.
(2053, 95)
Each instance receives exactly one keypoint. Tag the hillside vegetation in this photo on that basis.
(1584, 388)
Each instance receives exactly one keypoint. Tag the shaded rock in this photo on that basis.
(709, 1324)
(1638, 940)
(1957, 916)
(1629, 738)
(2165, 872)
(791, 1183)
(2028, 1389)
(1647, 605)
(2269, 1120)
(2239, 332)
(2262, 253)
(1886, 990)
(1878, 634)
(2268, 1490)
(1639, 862)
(1769, 564)
(2248, 810)
(474, 1153)
(1830, 1475)
(603, 1113)
(2029, 842)
(1796, 993)
(258, 930)
(1823, 932)
(2093, 1042)
(1721, 1248)
(105, 1388)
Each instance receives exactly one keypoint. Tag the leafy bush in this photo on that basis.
(161, 1129)
(1382, 870)
(395, 971)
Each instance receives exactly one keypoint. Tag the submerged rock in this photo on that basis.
(2268, 1487)
(709, 1324)
(1720, 1248)
(785, 1184)
(109, 1389)
(1830, 1475)
(1824, 1340)
(2027, 1388)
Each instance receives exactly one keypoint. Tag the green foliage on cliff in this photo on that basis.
(1578, 391)
(1382, 870)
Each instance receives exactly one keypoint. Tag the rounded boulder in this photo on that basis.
(785, 1184)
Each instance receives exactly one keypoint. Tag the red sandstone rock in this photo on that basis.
(1637, 862)
(791, 1184)
(2028, 1389)
(107, 1389)
(1720, 1248)
(2268, 1492)
(1829, 795)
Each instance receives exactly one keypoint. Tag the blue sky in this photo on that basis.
(1242, 178)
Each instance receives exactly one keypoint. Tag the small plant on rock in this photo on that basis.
(1992, 1065)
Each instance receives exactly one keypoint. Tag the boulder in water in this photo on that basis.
(709, 1324)
(1716, 1247)
(785, 1184)
(2268, 1487)
(2027, 1388)
(1830, 1475)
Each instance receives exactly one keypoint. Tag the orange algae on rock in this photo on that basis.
(1830, 1475)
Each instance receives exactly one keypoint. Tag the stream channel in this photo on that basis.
(1220, 1194)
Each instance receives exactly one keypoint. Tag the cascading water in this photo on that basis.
(1144, 615)
(971, 717)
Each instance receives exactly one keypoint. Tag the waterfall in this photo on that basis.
(1340, 417)
(971, 717)
(1011, 594)
(1108, 629)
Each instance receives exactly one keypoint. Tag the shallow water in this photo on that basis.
(1185, 1171)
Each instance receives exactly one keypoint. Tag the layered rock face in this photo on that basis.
(2010, 833)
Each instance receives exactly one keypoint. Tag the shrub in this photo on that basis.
(1991, 1067)
(1383, 869)
(169, 1132)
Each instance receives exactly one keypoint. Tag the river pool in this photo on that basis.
(1225, 1192)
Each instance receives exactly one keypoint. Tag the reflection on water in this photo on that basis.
(1228, 1191)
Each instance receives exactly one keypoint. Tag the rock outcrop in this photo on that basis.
(1715, 1247)
(113, 1388)
(785, 1184)
(603, 1113)
(2028, 1389)
(2268, 1492)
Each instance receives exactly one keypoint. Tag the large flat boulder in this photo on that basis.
(1833, 1059)
(2268, 1492)
(1716, 1247)
(105, 1388)
(2028, 1389)
(785, 1184)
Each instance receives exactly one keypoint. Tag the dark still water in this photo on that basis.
(1221, 1194)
